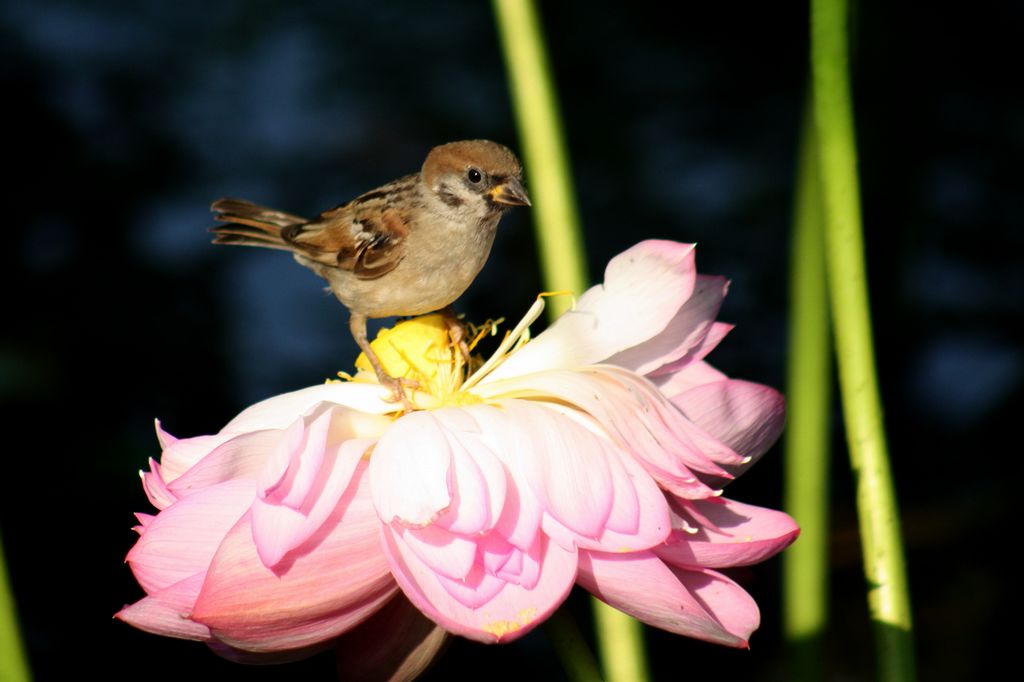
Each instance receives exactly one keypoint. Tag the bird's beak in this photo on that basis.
(510, 193)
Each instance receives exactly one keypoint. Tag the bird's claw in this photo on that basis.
(398, 386)
(457, 333)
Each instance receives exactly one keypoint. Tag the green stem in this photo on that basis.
(576, 657)
(620, 644)
(13, 664)
(556, 224)
(809, 398)
(884, 565)
(563, 264)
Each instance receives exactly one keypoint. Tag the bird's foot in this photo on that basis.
(398, 388)
(457, 333)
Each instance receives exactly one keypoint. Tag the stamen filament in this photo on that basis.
(506, 346)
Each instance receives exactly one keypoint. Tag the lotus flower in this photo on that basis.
(593, 454)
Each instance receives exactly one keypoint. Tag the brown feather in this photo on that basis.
(229, 209)
(366, 236)
(250, 224)
(249, 240)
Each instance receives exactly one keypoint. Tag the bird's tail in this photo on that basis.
(250, 224)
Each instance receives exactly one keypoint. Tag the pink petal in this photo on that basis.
(294, 464)
(479, 480)
(473, 590)
(281, 410)
(640, 515)
(165, 439)
(434, 467)
(718, 331)
(165, 612)
(640, 419)
(648, 399)
(183, 454)
(681, 380)
(727, 602)
(686, 331)
(409, 471)
(445, 553)
(336, 580)
(522, 568)
(160, 496)
(748, 417)
(508, 562)
(646, 285)
(700, 604)
(721, 533)
(504, 615)
(279, 528)
(396, 643)
(564, 467)
(697, 352)
(182, 539)
(520, 521)
(497, 554)
(627, 475)
(238, 456)
(144, 520)
(521, 516)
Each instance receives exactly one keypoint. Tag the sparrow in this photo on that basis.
(409, 247)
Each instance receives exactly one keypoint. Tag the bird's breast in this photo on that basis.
(441, 260)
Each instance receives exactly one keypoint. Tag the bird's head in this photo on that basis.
(476, 178)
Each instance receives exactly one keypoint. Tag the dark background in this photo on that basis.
(122, 121)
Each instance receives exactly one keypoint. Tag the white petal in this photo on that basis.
(644, 287)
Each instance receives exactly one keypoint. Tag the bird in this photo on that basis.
(409, 247)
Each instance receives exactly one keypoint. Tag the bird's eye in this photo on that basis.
(475, 176)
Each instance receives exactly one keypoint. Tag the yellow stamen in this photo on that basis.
(488, 328)
(421, 350)
(515, 339)
(500, 628)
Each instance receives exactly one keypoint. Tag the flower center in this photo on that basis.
(422, 352)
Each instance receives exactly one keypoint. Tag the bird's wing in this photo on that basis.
(366, 236)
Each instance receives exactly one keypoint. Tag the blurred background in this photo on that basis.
(124, 120)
